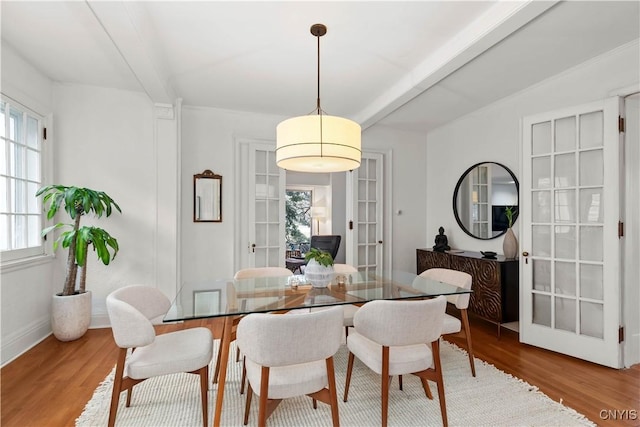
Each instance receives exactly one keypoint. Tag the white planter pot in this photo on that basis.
(318, 275)
(70, 316)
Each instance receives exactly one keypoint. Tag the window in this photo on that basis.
(21, 160)
(298, 219)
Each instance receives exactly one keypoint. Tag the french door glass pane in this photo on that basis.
(591, 243)
(261, 186)
(274, 236)
(565, 312)
(261, 235)
(565, 134)
(541, 172)
(274, 211)
(541, 138)
(541, 240)
(591, 283)
(565, 206)
(591, 205)
(541, 275)
(274, 186)
(565, 242)
(261, 210)
(541, 309)
(591, 319)
(362, 212)
(565, 170)
(371, 211)
(541, 206)
(591, 168)
(565, 274)
(591, 130)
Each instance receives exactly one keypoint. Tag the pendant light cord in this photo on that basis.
(318, 100)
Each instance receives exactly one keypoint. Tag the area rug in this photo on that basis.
(492, 398)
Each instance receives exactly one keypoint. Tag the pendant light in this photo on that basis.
(318, 142)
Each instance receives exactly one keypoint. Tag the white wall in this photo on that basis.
(493, 134)
(405, 205)
(25, 291)
(208, 135)
(104, 141)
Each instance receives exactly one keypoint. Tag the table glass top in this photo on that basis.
(225, 297)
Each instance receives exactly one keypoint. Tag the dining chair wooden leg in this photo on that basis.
(435, 346)
(243, 380)
(129, 395)
(348, 380)
(204, 390)
(264, 390)
(427, 389)
(400, 382)
(247, 405)
(467, 333)
(385, 385)
(117, 386)
(333, 392)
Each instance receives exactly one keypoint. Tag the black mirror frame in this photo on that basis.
(455, 198)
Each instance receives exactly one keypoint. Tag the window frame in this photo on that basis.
(31, 254)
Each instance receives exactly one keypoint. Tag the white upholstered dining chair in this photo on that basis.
(250, 273)
(349, 309)
(453, 325)
(131, 309)
(398, 338)
(288, 356)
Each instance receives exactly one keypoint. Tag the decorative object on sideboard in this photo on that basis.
(319, 270)
(71, 309)
(441, 241)
(510, 243)
(488, 254)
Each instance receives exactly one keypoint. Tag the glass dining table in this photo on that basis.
(230, 299)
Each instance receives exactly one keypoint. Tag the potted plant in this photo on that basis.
(319, 268)
(510, 243)
(71, 308)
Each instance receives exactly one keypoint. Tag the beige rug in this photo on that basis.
(493, 398)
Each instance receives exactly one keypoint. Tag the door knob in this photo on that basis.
(525, 253)
(379, 241)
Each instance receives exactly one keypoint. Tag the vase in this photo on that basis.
(318, 275)
(70, 315)
(510, 244)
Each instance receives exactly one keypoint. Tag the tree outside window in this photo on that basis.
(298, 218)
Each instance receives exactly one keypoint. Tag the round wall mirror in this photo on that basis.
(482, 195)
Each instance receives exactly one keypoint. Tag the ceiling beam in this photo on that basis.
(493, 26)
(128, 26)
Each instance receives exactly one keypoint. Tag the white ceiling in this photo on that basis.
(412, 65)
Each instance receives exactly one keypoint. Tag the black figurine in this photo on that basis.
(442, 242)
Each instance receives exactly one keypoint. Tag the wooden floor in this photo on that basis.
(50, 384)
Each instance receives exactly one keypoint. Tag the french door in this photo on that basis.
(261, 206)
(570, 208)
(364, 240)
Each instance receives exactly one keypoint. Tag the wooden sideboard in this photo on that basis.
(495, 281)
